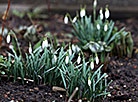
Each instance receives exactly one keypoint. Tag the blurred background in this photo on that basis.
(119, 8)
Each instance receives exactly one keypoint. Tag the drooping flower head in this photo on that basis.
(30, 48)
(66, 20)
(82, 12)
(45, 43)
(8, 39)
(79, 59)
(101, 13)
(107, 13)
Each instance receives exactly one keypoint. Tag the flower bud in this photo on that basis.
(8, 38)
(66, 20)
(89, 81)
(101, 14)
(74, 20)
(92, 64)
(98, 26)
(95, 3)
(30, 48)
(107, 13)
(67, 59)
(82, 12)
(79, 59)
(105, 27)
(45, 43)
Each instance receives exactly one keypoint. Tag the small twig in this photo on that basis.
(5, 16)
(73, 94)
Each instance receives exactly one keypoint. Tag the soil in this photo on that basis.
(123, 71)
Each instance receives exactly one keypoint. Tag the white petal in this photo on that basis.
(107, 13)
(98, 26)
(8, 38)
(105, 27)
(97, 60)
(66, 20)
(70, 52)
(44, 44)
(89, 82)
(30, 50)
(67, 59)
(92, 65)
(95, 3)
(78, 59)
(82, 12)
(74, 19)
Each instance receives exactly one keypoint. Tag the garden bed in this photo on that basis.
(123, 71)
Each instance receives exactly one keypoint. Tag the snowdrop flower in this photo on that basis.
(67, 59)
(79, 59)
(30, 48)
(95, 3)
(101, 14)
(107, 13)
(74, 19)
(75, 48)
(54, 60)
(66, 20)
(97, 59)
(89, 81)
(8, 38)
(45, 43)
(105, 27)
(98, 26)
(92, 64)
(70, 51)
(82, 12)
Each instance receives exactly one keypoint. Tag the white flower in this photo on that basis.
(98, 26)
(74, 19)
(54, 60)
(107, 13)
(80, 100)
(8, 38)
(79, 59)
(75, 48)
(101, 14)
(82, 12)
(67, 59)
(92, 64)
(97, 59)
(89, 82)
(30, 48)
(66, 20)
(44, 43)
(95, 3)
(105, 27)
